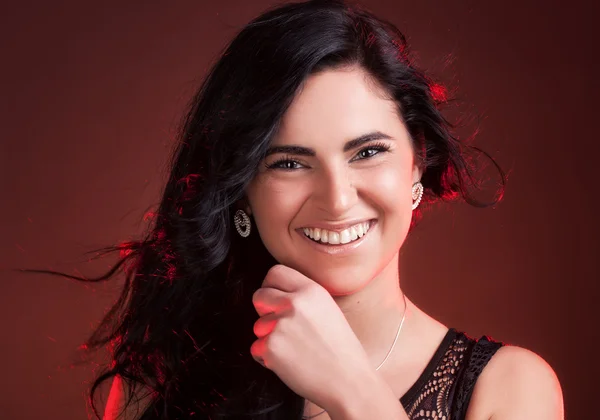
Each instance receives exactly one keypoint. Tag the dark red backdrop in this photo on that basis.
(90, 96)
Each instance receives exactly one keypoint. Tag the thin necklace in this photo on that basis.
(386, 357)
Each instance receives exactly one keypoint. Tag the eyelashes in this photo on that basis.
(278, 164)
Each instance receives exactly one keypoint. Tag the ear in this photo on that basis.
(417, 173)
(243, 204)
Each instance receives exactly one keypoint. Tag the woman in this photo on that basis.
(267, 286)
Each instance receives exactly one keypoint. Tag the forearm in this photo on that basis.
(373, 399)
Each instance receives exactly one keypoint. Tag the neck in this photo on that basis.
(374, 313)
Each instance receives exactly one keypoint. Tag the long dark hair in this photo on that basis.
(182, 325)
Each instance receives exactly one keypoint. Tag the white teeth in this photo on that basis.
(317, 234)
(334, 238)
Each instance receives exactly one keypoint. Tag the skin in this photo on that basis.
(334, 107)
(336, 185)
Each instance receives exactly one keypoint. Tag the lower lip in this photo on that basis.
(340, 248)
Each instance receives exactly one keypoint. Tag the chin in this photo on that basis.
(342, 281)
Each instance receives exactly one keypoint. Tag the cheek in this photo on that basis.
(274, 205)
(278, 202)
(392, 188)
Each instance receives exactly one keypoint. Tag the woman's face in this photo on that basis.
(327, 182)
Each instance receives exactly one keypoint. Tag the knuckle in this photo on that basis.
(282, 324)
(296, 304)
(277, 268)
(272, 343)
(256, 296)
(256, 327)
(254, 349)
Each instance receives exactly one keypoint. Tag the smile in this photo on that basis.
(344, 236)
(336, 242)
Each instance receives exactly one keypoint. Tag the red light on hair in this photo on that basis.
(438, 92)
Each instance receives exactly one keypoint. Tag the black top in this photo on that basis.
(444, 389)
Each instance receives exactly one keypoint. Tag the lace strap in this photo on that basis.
(481, 353)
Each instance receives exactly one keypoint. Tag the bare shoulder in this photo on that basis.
(120, 406)
(516, 384)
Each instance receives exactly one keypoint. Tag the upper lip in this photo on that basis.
(336, 227)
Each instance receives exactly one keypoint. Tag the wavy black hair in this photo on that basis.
(182, 325)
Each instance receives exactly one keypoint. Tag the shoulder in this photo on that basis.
(120, 405)
(516, 384)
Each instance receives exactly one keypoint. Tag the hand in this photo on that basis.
(305, 339)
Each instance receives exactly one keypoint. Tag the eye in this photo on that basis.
(377, 147)
(287, 163)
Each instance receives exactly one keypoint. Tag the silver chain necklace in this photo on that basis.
(386, 357)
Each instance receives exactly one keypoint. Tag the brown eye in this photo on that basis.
(285, 163)
(373, 150)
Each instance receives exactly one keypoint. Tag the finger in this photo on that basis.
(268, 300)
(257, 350)
(285, 278)
(265, 324)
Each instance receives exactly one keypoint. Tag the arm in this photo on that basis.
(368, 398)
(516, 384)
(117, 398)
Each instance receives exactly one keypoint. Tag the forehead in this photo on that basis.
(336, 105)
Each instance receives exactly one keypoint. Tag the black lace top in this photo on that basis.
(444, 388)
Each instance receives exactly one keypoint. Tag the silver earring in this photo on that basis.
(240, 220)
(417, 194)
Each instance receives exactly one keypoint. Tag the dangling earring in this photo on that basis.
(417, 194)
(241, 219)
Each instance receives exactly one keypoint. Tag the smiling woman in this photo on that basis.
(351, 161)
(268, 285)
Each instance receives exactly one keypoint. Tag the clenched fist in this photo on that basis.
(305, 339)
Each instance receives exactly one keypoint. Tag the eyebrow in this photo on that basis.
(307, 151)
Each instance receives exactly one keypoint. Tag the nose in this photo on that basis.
(335, 192)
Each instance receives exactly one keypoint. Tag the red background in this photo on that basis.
(91, 93)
